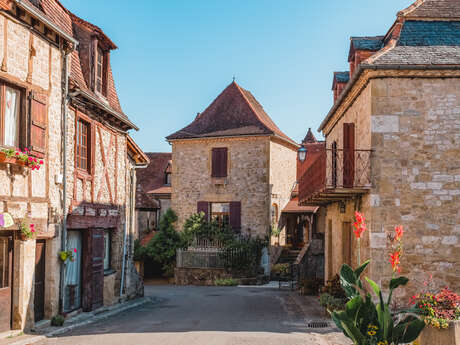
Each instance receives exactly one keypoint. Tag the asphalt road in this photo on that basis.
(205, 316)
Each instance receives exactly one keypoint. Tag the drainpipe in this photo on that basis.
(65, 98)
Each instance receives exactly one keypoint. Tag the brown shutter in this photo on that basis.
(235, 216)
(203, 206)
(219, 162)
(348, 154)
(93, 269)
(38, 123)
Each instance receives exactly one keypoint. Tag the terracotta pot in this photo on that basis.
(2, 157)
(24, 237)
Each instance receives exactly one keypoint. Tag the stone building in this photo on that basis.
(61, 104)
(393, 148)
(233, 163)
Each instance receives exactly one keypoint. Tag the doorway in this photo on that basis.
(39, 285)
(72, 277)
(6, 275)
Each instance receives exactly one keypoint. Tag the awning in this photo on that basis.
(293, 207)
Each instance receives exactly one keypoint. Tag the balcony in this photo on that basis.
(335, 175)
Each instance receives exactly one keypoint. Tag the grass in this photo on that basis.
(226, 282)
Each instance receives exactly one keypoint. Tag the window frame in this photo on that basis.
(88, 172)
(21, 111)
(220, 215)
(167, 178)
(215, 167)
(101, 62)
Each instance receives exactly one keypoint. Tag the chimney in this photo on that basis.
(339, 82)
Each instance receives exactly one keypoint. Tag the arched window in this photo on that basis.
(274, 214)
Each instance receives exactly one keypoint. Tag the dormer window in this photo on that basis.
(100, 70)
(167, 178)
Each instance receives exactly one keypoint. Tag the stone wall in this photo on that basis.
(247, 182)
(416, 176)
(283, 165)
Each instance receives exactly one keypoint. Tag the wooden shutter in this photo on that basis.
(39, 286)
(235, 216)
(219, 162)
(203, 206)
(348, 154)
(38, 124)
(346, 242)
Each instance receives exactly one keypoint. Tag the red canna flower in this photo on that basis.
(394, 260)
(399, 232)
(75, 250)
(359, 225)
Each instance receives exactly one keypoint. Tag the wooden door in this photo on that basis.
(39, 288)
(346, 242)
(6, 263)
(93, 269)
(348, 155)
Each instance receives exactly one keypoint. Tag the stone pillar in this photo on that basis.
(23, 279)
(53, 275)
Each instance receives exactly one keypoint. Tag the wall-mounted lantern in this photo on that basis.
(302, 153)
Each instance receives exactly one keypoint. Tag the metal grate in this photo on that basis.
(318, 324)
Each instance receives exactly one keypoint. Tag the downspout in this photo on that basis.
(65, 98)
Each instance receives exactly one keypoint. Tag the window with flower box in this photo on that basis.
(10, 115)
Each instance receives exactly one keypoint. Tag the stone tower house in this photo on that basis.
(233, 163)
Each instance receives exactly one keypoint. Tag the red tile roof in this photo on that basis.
(66, 20)
(160, 191)
(235, 112)
(153, 177)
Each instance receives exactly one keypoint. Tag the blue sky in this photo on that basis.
(176, 56)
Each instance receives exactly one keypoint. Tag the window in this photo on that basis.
(168, 178)
(82, 149)
(9, 115)
(219, 162)
(274, 214)
(220, 212)
(99, 70)
(106, 250)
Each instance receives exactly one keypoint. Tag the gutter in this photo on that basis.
(363, 67)
(103, 107)
(38, 14)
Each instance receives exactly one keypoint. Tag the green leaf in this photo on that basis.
(374, 286)
(347, 274)
(353, 332)
(352, 307)
(396, 282)
(336, 318)
(361, 268)
(410, 331)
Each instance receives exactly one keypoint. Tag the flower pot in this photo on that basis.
(436, 336)
(24, 237)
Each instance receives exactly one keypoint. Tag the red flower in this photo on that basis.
(75, 250)
(41, 161)
(399, 232)
(359, 225)
(394, 260)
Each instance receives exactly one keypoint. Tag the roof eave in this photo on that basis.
(363, 67)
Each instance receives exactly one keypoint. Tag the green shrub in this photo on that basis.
(226, 282)
(57, 320)
(331, 303)
(281, 269)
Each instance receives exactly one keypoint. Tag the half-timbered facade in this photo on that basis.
(59, 101)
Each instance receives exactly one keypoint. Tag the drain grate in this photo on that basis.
(318, 324)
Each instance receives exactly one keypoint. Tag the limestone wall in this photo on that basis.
(248, 179)
(283, 165)
(416, 175)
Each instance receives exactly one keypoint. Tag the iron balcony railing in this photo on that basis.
(336, 169)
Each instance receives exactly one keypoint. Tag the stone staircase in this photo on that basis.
(288, 256)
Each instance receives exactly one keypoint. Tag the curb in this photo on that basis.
(91, 318)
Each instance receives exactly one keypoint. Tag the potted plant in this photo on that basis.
(19, 157)
(27, 231)
(441, 312)
(367, 322)
(65, 255)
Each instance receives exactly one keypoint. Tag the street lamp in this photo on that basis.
(302, 153)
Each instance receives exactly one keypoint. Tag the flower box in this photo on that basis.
(436, 336)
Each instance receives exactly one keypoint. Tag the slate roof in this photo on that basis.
(449, 9)
(342, 77)
(153, 177)
(430, 33)
(235, 112)
(367, 43)
(66, 20)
